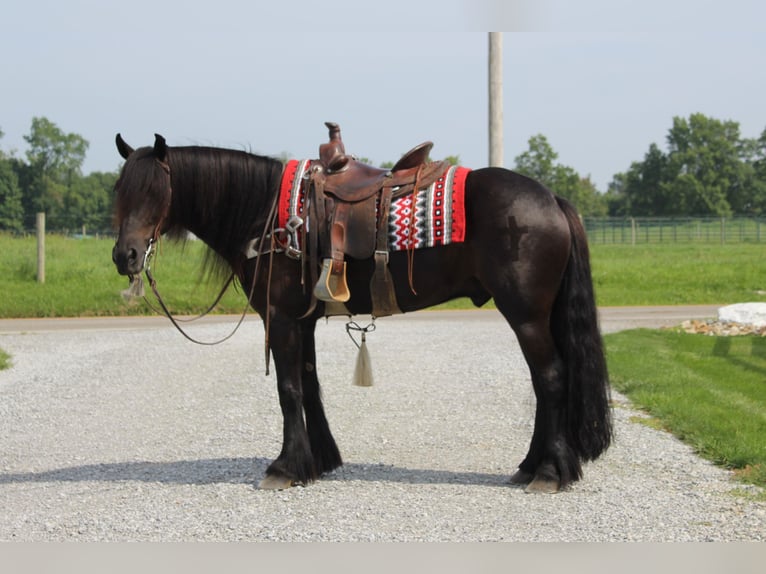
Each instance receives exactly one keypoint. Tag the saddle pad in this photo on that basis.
(437, 218)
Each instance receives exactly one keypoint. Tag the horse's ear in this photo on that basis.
(124, 149)
(160, 147)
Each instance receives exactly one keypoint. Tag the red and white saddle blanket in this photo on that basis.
(435, 217)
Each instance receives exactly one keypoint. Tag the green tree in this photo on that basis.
(641, 191)
(54, 160)
(580, 191)
(757, 156)
(705, 165)
(11, 209)
(751, 198)
(708, 170)
(88, 202)
(539, 162)
(616, 199)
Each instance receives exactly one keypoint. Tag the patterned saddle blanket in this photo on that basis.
(431, 217)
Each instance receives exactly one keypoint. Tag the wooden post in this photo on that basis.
(40, 225)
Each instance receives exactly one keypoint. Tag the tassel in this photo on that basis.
(135, 289)
(363, 369)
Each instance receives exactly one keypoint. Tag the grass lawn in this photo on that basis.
(679, 274)
(708, 391)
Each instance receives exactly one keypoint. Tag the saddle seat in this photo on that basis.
(350, 202)
(350, 180)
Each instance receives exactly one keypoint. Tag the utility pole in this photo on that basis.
(496, 99)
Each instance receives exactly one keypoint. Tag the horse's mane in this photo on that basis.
(226, 196)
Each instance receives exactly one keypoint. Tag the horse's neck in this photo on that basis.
(223, 209)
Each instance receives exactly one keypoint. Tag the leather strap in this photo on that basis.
(382, 290)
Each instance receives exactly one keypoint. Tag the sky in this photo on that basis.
(600, 79)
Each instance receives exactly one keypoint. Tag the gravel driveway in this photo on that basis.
(123, 430)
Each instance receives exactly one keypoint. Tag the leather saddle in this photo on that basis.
(350, 202)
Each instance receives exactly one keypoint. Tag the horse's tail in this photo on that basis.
(576, 331)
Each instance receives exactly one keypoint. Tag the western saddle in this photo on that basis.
(350, 202)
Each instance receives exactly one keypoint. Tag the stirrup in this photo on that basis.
(332, 286)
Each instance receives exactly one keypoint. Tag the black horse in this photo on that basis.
(524, 247)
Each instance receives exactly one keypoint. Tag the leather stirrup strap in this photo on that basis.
(316, 217)
(382, 290)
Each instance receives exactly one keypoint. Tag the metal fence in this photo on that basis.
(608, 230)
(642, 230)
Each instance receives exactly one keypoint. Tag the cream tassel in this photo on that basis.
(363, 369)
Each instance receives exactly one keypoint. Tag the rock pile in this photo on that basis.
(733, 320)
(721, 328)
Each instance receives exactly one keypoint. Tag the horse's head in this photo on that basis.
(142, 202)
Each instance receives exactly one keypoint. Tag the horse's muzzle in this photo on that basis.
(129, 258)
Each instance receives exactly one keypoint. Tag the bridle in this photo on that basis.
(262, 248)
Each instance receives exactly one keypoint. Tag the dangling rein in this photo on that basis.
(136, 289)
(136, 284)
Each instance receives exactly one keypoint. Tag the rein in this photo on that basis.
(269, 225)
(212, 306)
(176, 322)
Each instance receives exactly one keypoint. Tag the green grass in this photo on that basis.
(5, 360)
(708, 391)
(678, 274)
(80, 280)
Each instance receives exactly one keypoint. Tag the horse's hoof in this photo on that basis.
(521, 478)
(542, 486)
(275, 483)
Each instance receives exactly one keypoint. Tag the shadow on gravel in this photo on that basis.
(241, 471)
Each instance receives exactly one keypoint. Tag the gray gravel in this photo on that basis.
(132, 433)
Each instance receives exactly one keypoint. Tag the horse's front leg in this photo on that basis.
(295, 463)
(323, 448)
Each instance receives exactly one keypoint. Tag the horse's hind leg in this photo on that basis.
(550, 463)
(524, 280)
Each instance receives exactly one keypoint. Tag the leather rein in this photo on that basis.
(261, 250)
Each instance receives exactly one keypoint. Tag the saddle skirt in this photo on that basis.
(431, 217)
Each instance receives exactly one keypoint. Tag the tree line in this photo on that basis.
(706, 169)
(49, 179)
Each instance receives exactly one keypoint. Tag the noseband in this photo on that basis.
(155, 235)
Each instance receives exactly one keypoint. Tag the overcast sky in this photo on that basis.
(600, 79)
